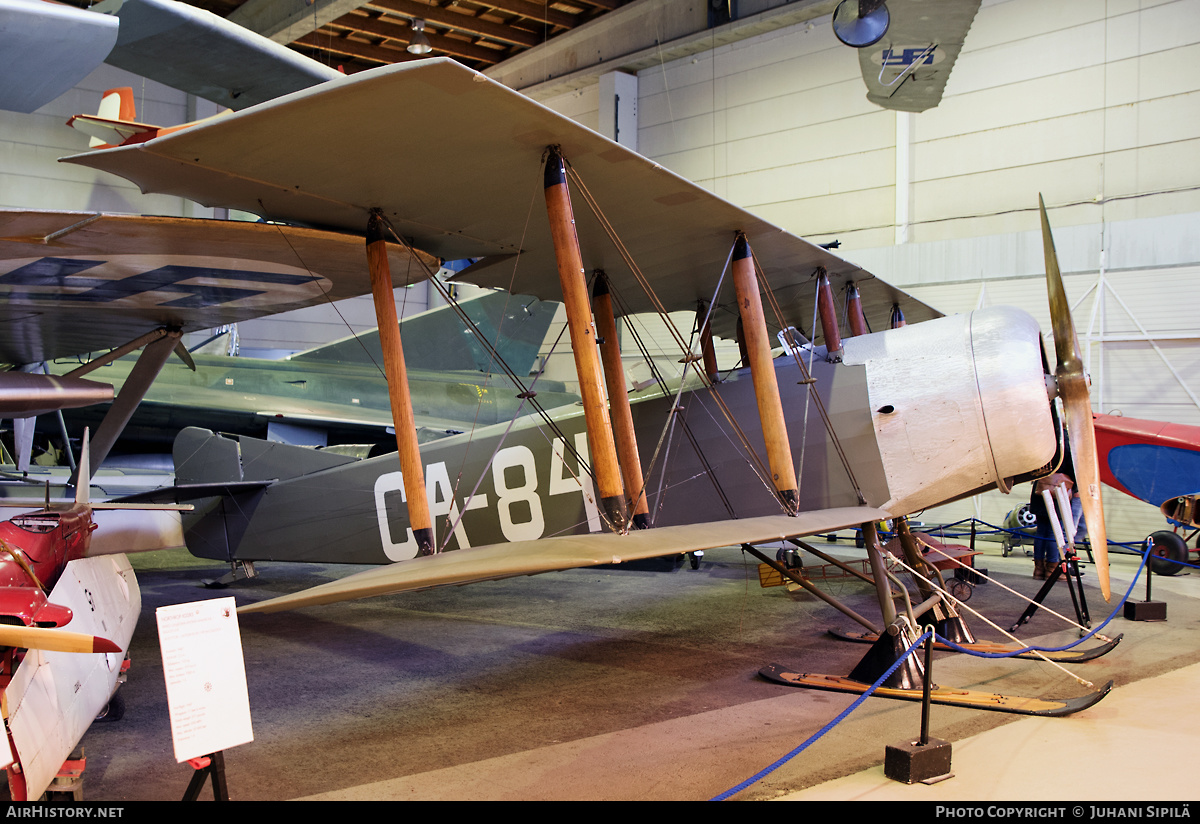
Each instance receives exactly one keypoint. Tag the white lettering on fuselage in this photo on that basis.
(516, 494)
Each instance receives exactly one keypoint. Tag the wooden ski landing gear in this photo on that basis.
(1089, 654)
(971, 699)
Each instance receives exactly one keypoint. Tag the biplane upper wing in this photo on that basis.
(489, 563)
(72, 283)
(454, 160)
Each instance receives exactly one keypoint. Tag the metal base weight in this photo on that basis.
(1145, 610)
(912, 761)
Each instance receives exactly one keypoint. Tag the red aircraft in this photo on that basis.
(53, 681)
(1158, 463)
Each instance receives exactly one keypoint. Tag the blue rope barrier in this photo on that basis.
(870, 690)
(1025, 533)
(1076, 643)
(773, 767)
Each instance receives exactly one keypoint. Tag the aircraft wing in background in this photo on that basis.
(47, 48)
(73, 283)
(907, 65)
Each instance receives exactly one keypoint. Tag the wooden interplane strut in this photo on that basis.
(582, 328)
(411, 467)
(829, 322)
(854, 311)
(762, 372)
(619, 408)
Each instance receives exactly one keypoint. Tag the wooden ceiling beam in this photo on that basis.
(403, 34)
(353, 48)
(459, 22)
(534, 11)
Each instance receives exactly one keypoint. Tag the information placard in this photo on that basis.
(206, 677)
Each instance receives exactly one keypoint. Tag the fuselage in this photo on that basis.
(917, 416)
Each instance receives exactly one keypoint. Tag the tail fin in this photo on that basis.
(115, 123)
(234, 475)
(117, 104)
(203, 457)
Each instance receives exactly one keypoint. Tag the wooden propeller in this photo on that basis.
(1073, 389)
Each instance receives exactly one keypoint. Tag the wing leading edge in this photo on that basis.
(489, 563)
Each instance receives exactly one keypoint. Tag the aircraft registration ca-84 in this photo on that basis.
(843, 431)
(531, 486)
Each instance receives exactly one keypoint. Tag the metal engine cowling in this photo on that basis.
(959, 404)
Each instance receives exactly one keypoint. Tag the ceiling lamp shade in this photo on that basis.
(860, 23)
(419, 44)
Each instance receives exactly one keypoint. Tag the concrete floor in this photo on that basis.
(628, 684)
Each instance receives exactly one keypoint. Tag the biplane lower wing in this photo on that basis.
(489, 563)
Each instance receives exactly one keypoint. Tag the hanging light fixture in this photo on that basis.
(419, 44)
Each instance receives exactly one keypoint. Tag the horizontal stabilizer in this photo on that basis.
(135, 528)
(498, 561)
(111, 132)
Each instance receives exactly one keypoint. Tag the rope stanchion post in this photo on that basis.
(926, 759)
(1147, 610)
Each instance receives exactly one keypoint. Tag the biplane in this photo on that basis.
(840, 431)
(335, 394)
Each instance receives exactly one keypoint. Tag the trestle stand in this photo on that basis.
(212, 765)
(1068, 566)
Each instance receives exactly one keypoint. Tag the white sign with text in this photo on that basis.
(206, 677)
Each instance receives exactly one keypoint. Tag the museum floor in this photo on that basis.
(638, 684)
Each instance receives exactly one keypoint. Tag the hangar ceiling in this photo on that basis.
(361, 35)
